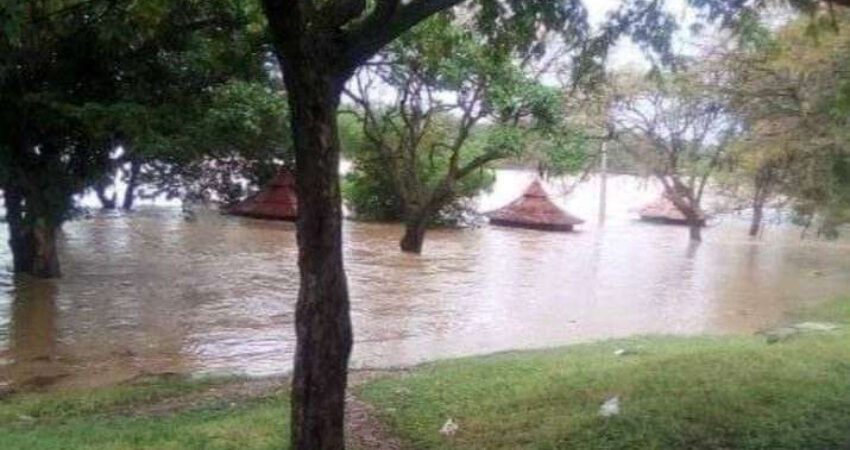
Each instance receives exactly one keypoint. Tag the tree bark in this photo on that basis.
(322, 321)
(758, 217)
(132, 183)
(318, 55)
(45, 263)
(695, 227)
(414, 235)
(603, 183)
(759, 199)
(32, 241)
(20, 242)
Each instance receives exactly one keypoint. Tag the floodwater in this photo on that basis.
(154, 293)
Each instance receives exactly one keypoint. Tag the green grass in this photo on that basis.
(675, 393)
(104, 419)
(61, 405)
(836, 311)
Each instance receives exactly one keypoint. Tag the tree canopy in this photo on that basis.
(459, 105)
(80, 78)
(789, 88)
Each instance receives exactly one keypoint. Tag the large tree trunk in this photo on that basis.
(20, 242)
(414, 234)
(322, 321)
(32, 241)
(132, 183)
(45, 262)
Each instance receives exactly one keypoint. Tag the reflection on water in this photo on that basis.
(154, 293)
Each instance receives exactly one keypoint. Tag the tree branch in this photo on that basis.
(388, 20)
(336, 13)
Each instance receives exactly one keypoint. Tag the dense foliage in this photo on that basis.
(457, 106)
(371, 195)
(80, 79)
(679, 127)
(790, 89)
(236, 143)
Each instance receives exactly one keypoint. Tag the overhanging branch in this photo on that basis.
(388, 20)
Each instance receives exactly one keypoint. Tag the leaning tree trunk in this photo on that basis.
(132, 183)
(322, 320)
(414, 234)
(695, 227)
(759, 198)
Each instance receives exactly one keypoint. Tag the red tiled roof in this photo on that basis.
(663, 209)
(277, 201)
(534, 210)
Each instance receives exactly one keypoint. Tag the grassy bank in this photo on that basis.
(676, 393)
(157, 414)
(706, 393)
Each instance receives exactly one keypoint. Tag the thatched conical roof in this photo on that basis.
(664, 210)
(534, 210)
(277, 201)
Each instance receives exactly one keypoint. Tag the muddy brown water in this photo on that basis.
(152, 292)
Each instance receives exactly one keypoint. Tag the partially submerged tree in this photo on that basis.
(76, 84)
(370, 190)
(787, 89)
(205, 113)
(446, 82)
(235, 144)
(679, 129)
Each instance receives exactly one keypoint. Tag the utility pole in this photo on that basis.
(603, 182)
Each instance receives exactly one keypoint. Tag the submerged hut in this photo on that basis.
(277, 201)
(664, 211)
(534, 210)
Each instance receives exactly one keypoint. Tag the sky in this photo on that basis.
(628, 55)
(625, 55)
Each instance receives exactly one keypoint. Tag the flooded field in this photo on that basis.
(152, 292)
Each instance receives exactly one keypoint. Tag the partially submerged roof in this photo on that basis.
(276, 201)
(664, 210)
(534, 210)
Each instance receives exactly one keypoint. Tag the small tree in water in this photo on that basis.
(677, 126)
(425, 143)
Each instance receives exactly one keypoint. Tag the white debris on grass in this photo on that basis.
(449, 428)
(816, 326)
(610, 408)
(625, 352)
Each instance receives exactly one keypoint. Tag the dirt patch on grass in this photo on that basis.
(363, 429)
